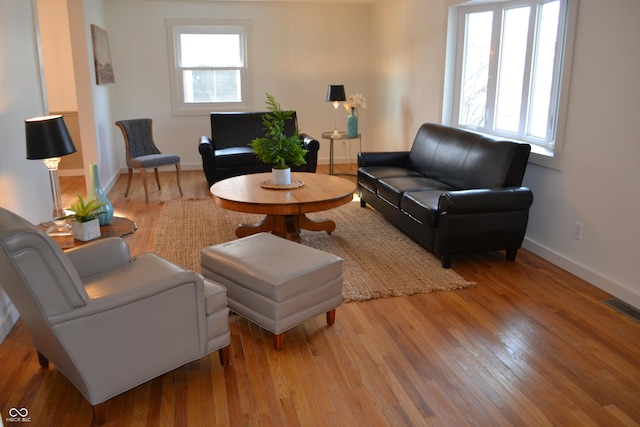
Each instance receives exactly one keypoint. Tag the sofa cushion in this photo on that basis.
(422, 206)
(392, 189)
(238, 129)
(368, 176)
(236, 157)
(467, 160)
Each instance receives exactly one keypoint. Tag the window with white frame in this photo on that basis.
(208, 65)
(509, 69)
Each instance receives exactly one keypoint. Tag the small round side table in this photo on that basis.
(339, 136)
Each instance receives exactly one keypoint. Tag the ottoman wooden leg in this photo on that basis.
(224, 354)
(331, 317)
(278, 341)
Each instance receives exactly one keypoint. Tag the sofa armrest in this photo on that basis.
(206, 148)
(309, 142)
(205, 143)
(311, 158)
(99, 256)
(485, 200)
(383, 158)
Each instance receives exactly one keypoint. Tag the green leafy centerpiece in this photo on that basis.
(85, 225)
(276, 148)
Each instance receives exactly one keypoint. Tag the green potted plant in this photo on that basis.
(85, 225)
(276, 148)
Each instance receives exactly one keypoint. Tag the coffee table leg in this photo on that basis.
(305, 223)
(267, 224)
(286, 226)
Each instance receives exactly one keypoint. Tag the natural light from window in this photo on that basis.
(208, 65)
(508, 71)
(204, 60)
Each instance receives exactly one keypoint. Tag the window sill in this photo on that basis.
(542, 156)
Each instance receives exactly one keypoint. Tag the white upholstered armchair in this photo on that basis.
(107, 321)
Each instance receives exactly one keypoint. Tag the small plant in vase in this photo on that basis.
(85, 225)
(276, 148)
(353, 104)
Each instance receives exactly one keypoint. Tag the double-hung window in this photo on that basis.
(208, 65)
(509, 69)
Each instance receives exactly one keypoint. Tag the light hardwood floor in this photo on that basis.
(530, 345)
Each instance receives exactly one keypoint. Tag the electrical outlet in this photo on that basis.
(577, 230)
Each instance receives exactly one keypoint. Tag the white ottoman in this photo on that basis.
(275, 283)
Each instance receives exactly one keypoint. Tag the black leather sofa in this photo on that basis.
(454, 192)
(227, 152)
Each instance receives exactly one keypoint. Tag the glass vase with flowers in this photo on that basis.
(353, 104)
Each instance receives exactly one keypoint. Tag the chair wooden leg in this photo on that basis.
(42, 360)
(100, 413)
(225, 355)
(178, 172)
(126, 192)
(278, 341)
(143, 177)
(331, 317)
(157, 177)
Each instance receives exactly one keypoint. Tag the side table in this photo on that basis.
(118, 227)
(340, 136)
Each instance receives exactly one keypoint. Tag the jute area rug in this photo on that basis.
(379, 260)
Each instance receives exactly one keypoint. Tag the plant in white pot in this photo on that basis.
(85, 224)
(276, 148)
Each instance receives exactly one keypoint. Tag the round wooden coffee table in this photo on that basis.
(284, 209)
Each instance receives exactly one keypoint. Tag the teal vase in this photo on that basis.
(352, 124)
(96, 193)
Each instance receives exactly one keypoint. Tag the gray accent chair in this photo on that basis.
(142, 152)
(107, 321)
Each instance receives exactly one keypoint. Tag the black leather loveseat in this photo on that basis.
(454, 192)
(227, 152)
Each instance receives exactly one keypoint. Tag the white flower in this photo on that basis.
(356, 102)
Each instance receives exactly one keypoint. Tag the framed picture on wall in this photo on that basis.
(102, 56)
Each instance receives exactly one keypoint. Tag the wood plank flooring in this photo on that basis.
(530, 345)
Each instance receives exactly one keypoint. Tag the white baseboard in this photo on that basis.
(618, 290)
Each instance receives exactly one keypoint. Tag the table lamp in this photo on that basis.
(48, 139)
(335, 94)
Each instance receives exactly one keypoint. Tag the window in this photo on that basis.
(509, 69)
(207, 66)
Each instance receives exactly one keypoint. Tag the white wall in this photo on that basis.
(597, 182)
(296, 50)
(56, 55)
(24, 184)
(94, 101)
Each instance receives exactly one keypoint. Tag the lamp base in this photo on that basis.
(58, 228)
(61, 234)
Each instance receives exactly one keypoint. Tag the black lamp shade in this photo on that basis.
(48, 137)
(336, 93)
